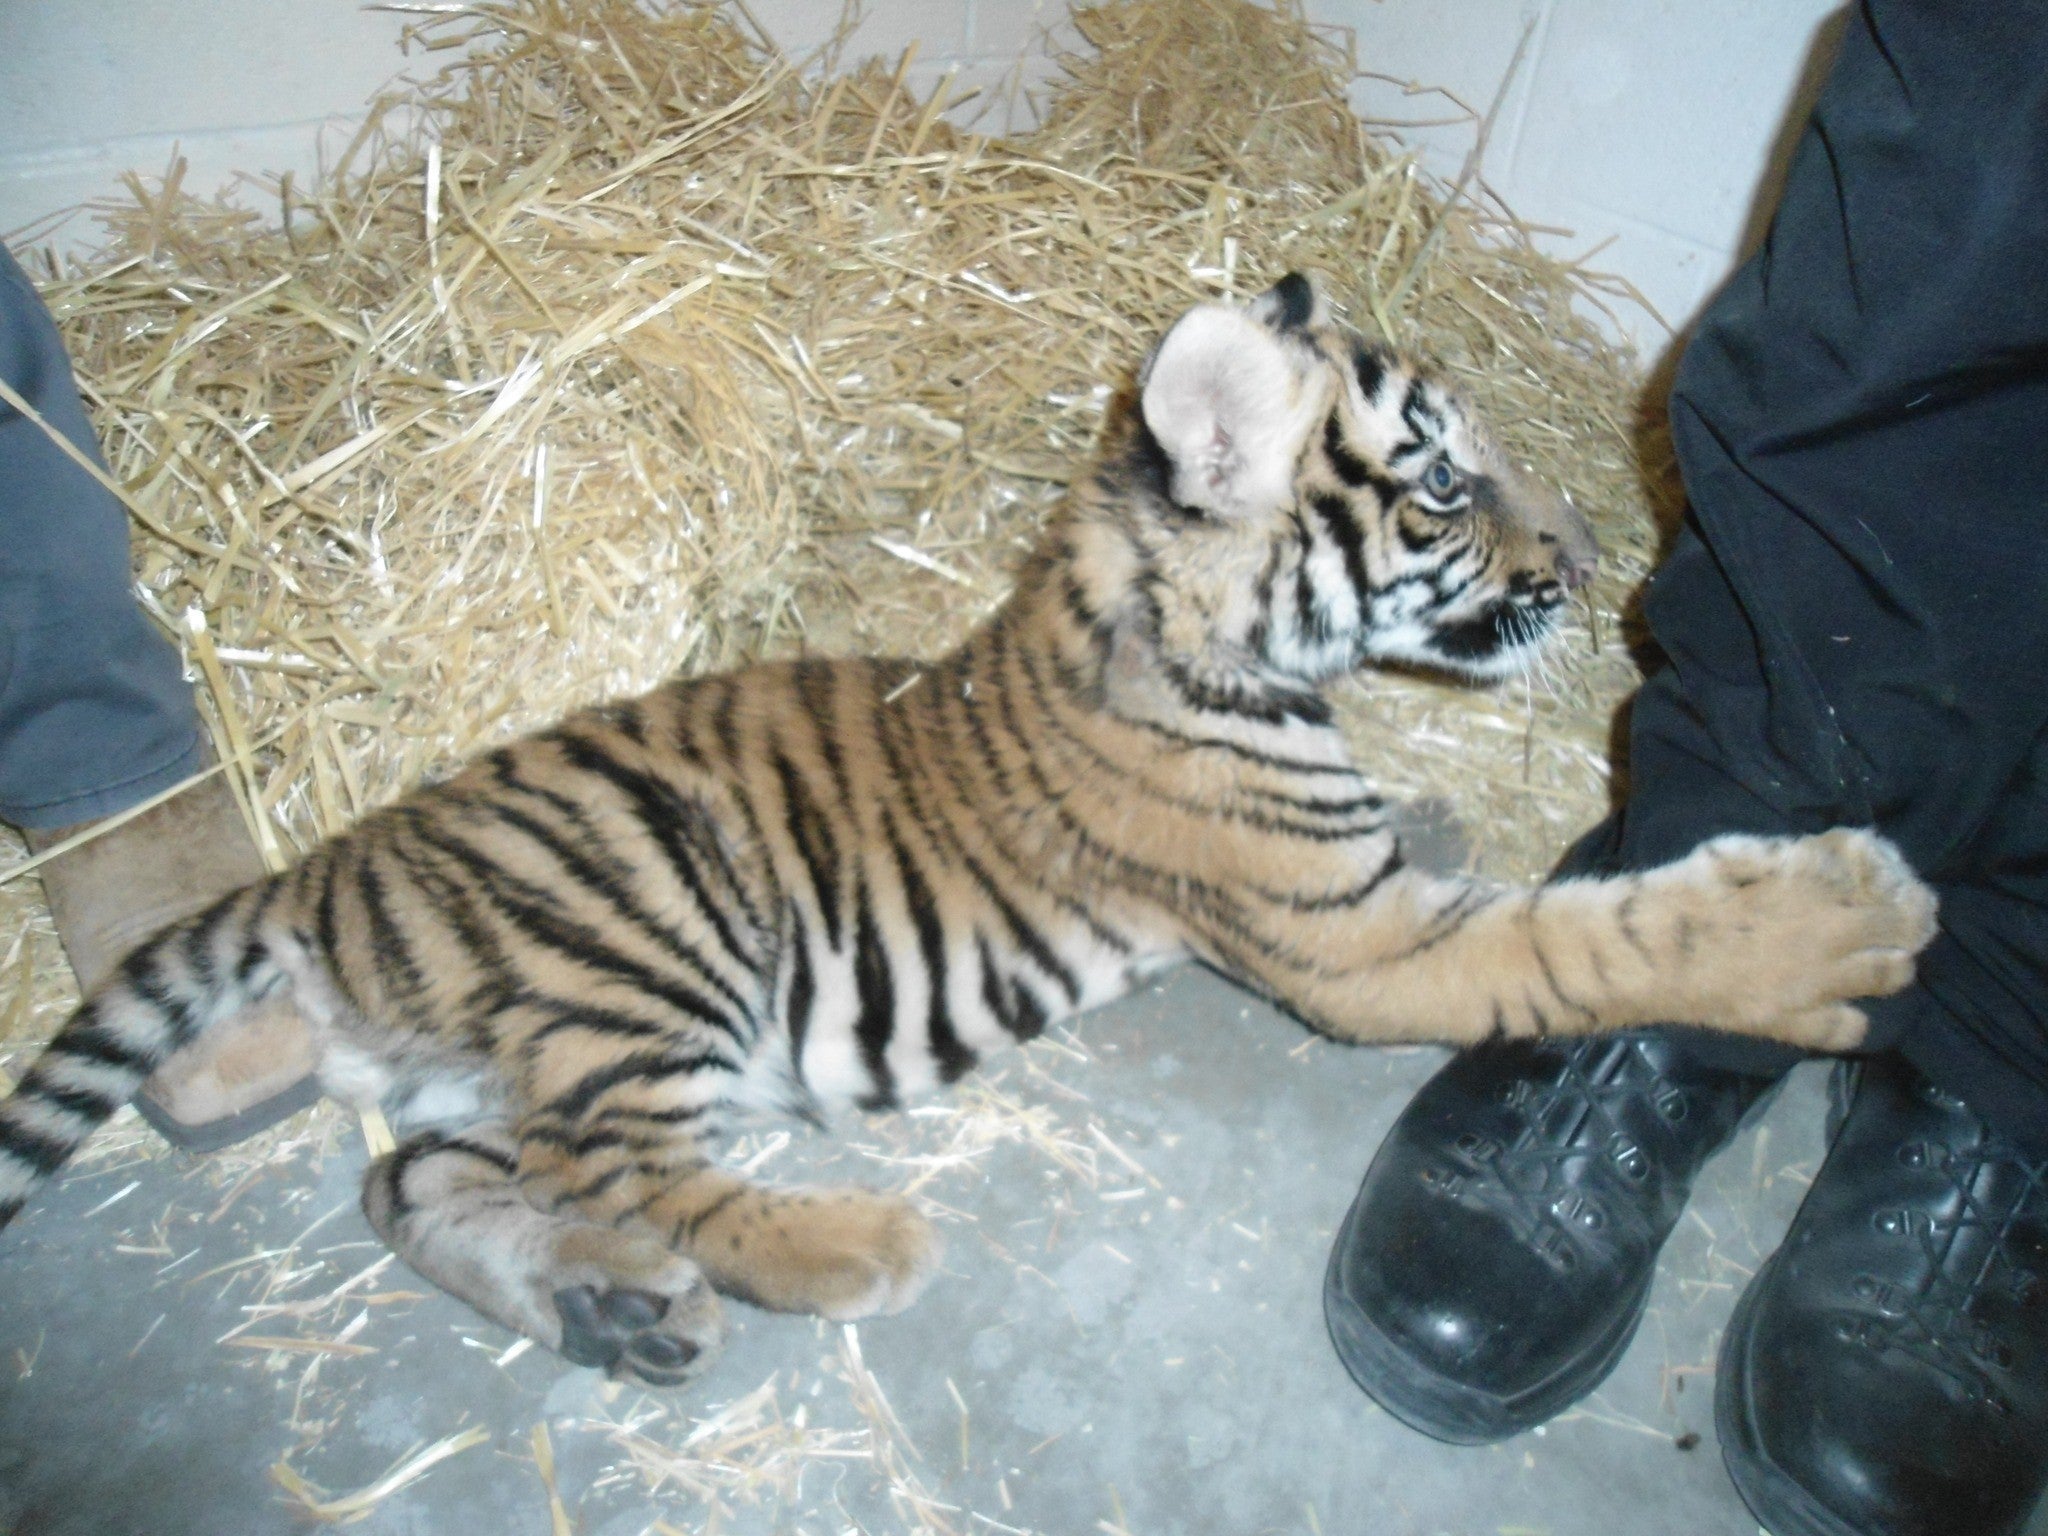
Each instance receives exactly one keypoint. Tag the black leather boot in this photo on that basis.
(1499, 1257)
(1886, 1374)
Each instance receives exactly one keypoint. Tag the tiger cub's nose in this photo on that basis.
(1576, 568)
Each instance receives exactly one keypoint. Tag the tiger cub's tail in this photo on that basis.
(164, 996)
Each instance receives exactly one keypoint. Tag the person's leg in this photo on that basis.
(1855, 611)
(1888, 1370)
(95, 712)
(96, 717)
(1851, 617)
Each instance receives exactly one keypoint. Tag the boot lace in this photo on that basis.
(1967, 1256)
(1574, 1119)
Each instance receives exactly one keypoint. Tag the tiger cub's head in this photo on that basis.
(1310, 501)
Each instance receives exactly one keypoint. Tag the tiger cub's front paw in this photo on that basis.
(1779, 934)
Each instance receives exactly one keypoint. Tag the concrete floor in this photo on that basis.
(1126, 1337)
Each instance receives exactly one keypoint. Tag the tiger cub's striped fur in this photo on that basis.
(846, 881)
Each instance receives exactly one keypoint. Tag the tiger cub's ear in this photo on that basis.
(1231, 403)
(1291, 304)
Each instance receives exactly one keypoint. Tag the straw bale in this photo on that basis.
(621, 346)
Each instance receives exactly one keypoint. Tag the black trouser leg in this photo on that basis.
(1856, 613)
(1856, 617)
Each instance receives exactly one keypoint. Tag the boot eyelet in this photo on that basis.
(1579, 1211)
(1993, 1351)
(1672, 1104)
(1864, 1288)
(1475, 1146)
(1629, 1158)
(1892, 1223)
(1939, 1098)
(1447, 1182)
(1557, 1248)
(1915, 1154)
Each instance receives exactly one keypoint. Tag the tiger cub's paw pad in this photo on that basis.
(632, 1308)
(619, 1332)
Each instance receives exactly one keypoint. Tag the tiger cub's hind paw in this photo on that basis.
(628, 1306)
(597, 1296)
(619, 1331)
(836, 1253)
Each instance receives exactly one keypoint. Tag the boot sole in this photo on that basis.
(216, 1134)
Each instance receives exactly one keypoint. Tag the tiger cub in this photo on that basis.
(830, 882)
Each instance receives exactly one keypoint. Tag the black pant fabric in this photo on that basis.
(1856, 611)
